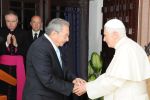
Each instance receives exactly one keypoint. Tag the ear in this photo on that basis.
(31, 23)
(41, 24)
(53, 33)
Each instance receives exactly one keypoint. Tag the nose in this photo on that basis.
(36, 24)
(104, 39)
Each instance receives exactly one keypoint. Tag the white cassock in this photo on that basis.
(125, 77)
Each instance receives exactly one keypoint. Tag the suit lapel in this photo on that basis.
(54, 54)
(41, 33)
(30, 36)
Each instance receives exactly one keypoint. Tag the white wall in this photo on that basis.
(95, 26)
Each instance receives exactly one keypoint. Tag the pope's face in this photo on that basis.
(109, 39)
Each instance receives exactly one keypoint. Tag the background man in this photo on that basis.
(35, 32)
(13, 43)
(14, 37)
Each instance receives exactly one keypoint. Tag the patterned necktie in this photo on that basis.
(35, 36)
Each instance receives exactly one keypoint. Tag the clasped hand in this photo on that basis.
(79, 86)
(13, 38)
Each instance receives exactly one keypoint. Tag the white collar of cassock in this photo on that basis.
(120, 42)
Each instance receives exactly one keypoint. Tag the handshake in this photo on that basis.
(79, 86)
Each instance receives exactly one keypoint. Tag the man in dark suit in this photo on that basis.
(46, 77)
(35, 32)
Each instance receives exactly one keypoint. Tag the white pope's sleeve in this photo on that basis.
(103, 85)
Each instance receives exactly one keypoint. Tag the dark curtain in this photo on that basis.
(75, 52)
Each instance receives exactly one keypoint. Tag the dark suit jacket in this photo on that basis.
(20, 37)
(44, 75)
(29, 39)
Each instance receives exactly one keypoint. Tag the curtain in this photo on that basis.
(76, 50)
(144, 22)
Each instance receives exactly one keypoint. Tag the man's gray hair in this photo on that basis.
(115, 25)
(56, 24)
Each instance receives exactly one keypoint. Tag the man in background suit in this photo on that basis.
(46, 77)
(35, 32)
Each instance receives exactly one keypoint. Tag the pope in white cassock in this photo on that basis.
(125, 77)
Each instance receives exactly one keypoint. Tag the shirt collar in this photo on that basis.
(33, 32)
(50, 40)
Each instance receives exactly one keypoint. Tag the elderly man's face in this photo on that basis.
(11, 21)
(63, 36)
(109, 39)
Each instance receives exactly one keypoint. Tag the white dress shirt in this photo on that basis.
(33, 33)
(56, 49)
